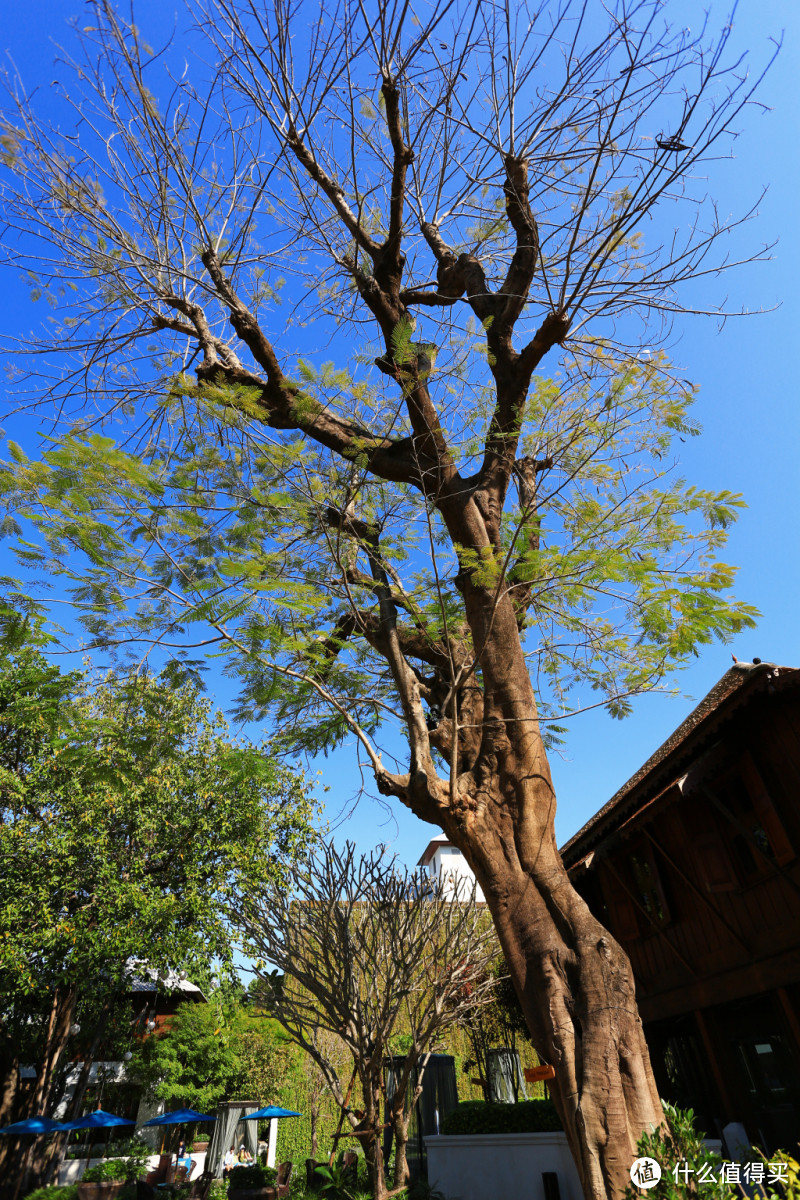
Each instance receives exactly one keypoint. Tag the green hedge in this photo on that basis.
(476, 1117)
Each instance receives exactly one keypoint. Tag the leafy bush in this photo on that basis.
(112, 1168)
(699, 1174)
(337, 1180)
(477, 1117)
(69, 1192)
(137, 1153)
(791, 1187)
(681, 1144)
(253, 1176)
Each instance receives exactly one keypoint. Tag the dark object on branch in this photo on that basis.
(433, 717)
(672, 143)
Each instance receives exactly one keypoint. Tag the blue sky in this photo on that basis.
(748, 406)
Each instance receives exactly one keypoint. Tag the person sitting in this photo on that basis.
(184, 1159)
(244, 1154)
(229, 1162)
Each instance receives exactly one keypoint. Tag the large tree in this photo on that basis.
(304, 283)
(128, 816)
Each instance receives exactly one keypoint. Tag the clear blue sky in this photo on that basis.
(748, 406)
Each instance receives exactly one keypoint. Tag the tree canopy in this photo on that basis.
(129, 817)
(262, 507)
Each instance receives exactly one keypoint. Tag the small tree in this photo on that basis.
(127, 817)
(494, 1025)
(365, 956)
(214, 1052)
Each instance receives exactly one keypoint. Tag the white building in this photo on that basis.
(445, 862)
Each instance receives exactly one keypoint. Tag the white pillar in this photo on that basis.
(272, 1141)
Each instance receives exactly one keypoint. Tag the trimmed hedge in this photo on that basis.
(477, 1117)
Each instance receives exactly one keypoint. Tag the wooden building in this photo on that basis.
(694, 866)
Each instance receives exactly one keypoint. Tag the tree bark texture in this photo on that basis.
(62, 1011)
(9, 1091)
(400, 1133)
(574, 981)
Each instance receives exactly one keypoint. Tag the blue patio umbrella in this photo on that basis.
(181, 1116)
(97, 1120)
(266, 1114)
(270, 1113)
(33, 1125)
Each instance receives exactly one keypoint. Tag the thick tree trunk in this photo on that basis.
(577, 991)
(574, 982)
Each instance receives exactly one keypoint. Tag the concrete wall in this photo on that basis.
(469, 1167)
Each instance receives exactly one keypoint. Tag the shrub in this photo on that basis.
(680, 1143)
(69, 1192)
(137, 1154)
(253, 1176)
(477, 1117)
(112, 1168)
(790, 1189)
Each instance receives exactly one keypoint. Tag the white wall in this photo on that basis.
(449, 864)
(508, 1165)
(72, 1170)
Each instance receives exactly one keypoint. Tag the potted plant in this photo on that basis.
(251, 1182)
(103, 1181)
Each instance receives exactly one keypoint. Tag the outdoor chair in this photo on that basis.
(281, 1183)
(181, 1174)
(159, 1174)
(313, 1180)
(201, 1187)
(350, 1166)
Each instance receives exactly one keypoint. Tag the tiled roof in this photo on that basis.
(143, 978)
(739, 679)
